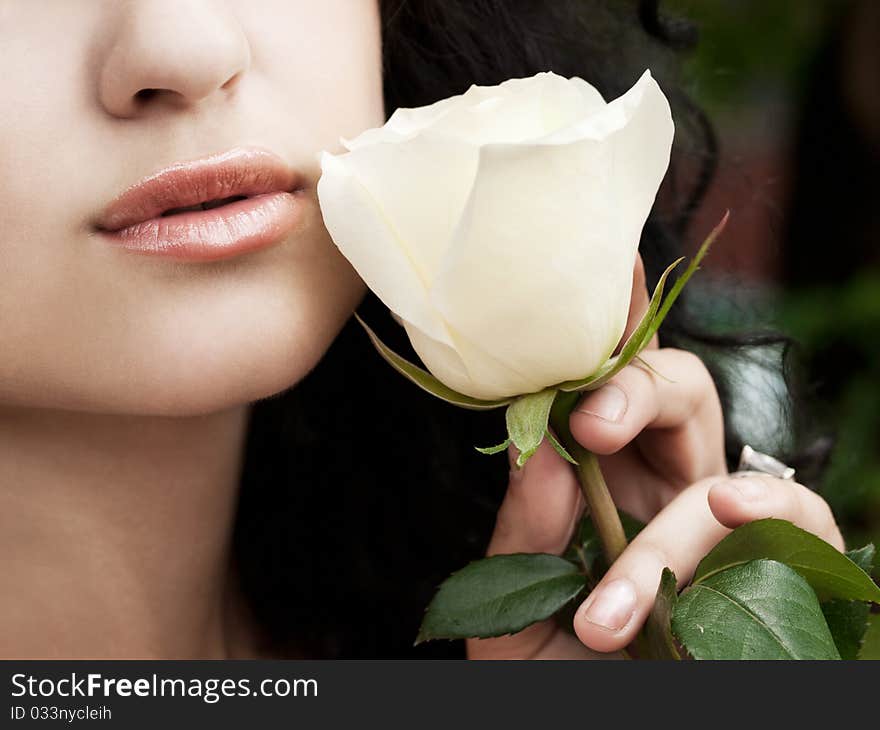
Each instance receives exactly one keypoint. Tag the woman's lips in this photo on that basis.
(207, 235)
(143, 219)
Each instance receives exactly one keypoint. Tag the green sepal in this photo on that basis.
(560, 449)
(683, 279)
(528, 414)
(641, 362)
(526, 421)
(493, 449)
(650, 322)
(636, 342)
(425, 380)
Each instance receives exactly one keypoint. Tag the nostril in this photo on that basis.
(145, 94)
(231, 81)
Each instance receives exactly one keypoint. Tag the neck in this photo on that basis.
(115, 534)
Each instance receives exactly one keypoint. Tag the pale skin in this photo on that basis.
(126, 383)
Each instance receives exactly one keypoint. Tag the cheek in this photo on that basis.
(126, 334)
(84, 327)
(325, 61)
(228, 338)
(218, 351)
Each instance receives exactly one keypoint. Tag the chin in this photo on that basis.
(199, 346)
(210, 370)
(232, 373)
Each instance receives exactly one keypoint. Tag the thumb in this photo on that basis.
(538, 515)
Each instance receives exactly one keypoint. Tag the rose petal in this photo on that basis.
(467, 368)
(403, 123)
(500, 225)
(420, 186)
(362, 233)
(516, 111)
(561, 224)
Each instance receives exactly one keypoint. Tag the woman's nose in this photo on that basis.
(177, 52)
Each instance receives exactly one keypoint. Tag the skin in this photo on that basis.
(126, 382)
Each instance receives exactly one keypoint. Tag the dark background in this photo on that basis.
(792, 88)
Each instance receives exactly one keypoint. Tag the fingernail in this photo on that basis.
(608, 403)
(612, 605)
(749, 489)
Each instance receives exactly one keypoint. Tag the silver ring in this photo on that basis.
(751, 462)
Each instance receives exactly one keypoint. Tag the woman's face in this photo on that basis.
(91, 326)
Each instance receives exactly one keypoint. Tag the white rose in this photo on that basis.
(501, 225)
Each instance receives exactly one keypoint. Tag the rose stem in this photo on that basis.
(603, 513)
(598, 499)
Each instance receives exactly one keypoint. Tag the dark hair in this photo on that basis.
(361, 493)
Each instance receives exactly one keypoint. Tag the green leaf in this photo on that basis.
(585, 549)
(658, 629)
(493, 449)
(425, 380)
(828, 571)
(848, 620)
(757, 610)
(527, 422)
(500, 595)
(871, 643)
(863, 557)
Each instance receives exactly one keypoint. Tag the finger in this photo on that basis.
(538, 515)
(638, 304)
(540, 507)
(678, 403)
(743, 499)
(546, 641)
(678, 538)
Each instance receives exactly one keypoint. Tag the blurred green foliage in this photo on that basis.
(751, 54)
(842, 322)
(751, 48)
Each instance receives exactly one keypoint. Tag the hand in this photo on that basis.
(660, 446)
(654, 433)
(539, 513)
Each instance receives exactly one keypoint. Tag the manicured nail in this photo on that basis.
(612, 605)
(751, 490)
(608, 403)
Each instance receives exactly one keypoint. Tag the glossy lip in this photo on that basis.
(271, 210)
